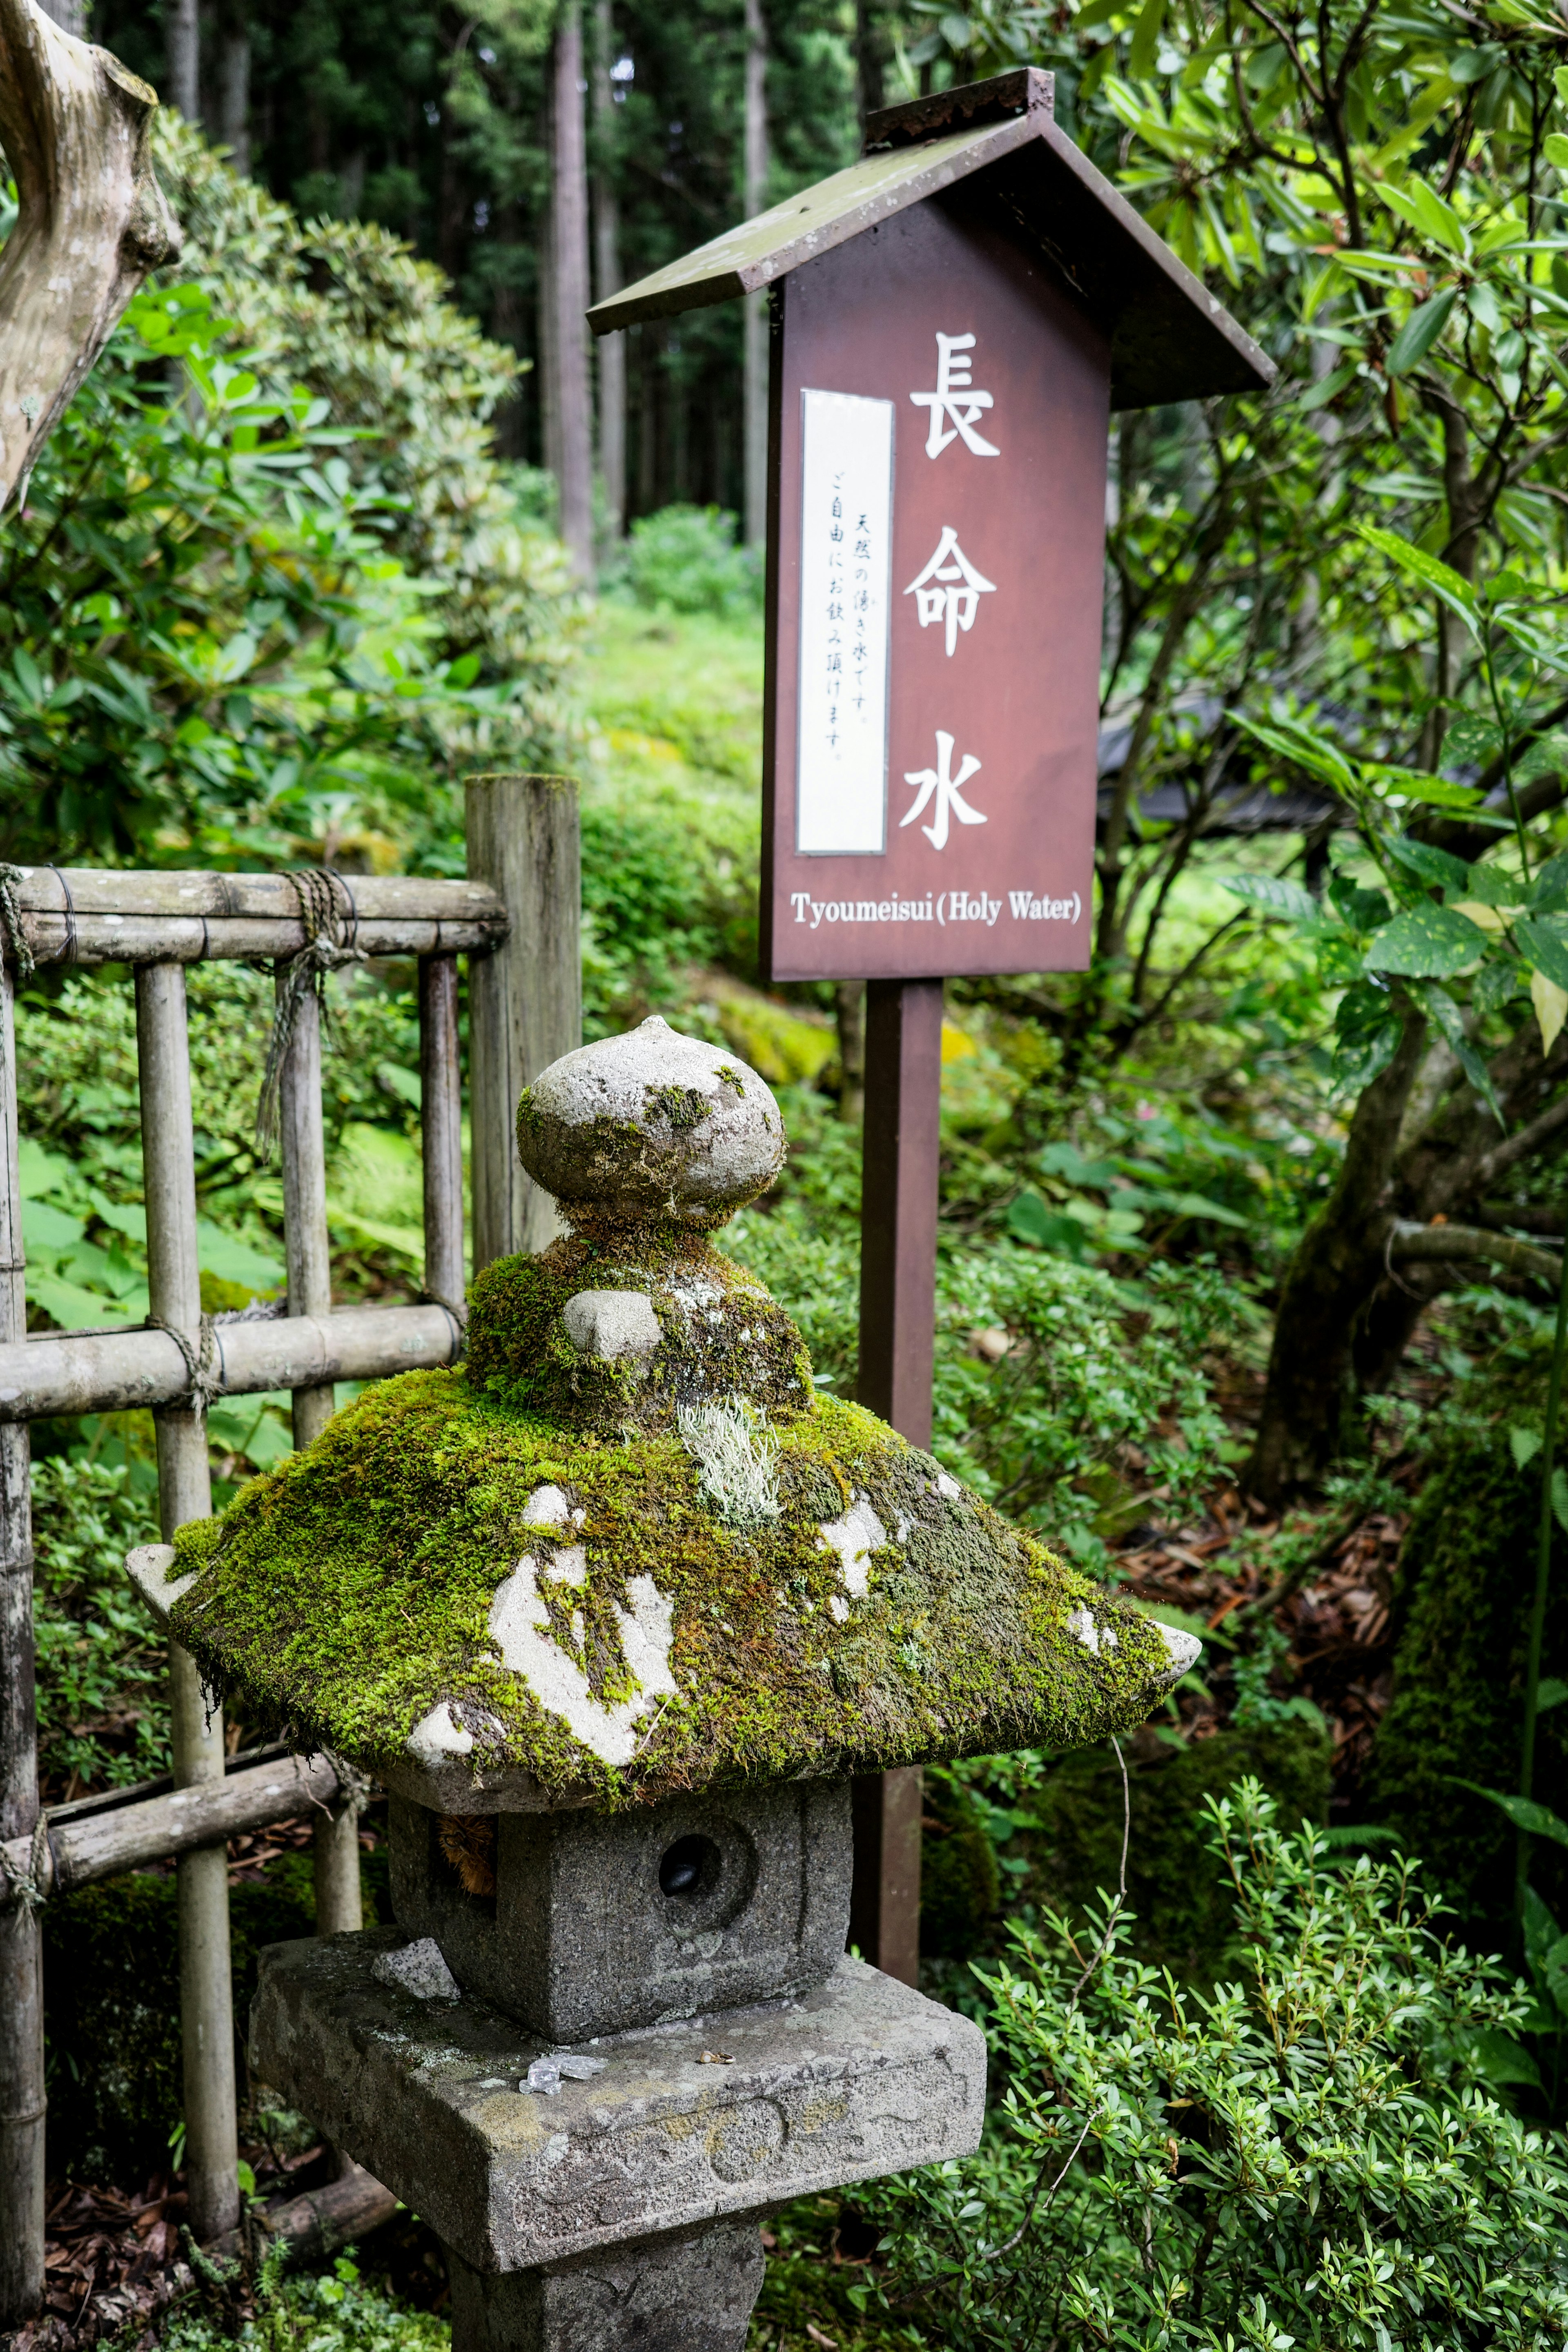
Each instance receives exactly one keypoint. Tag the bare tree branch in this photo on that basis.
(1408, 1241)
(92, 221)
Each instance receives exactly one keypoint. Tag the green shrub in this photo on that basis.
(1303, 2159)
(336, 2313)
(686, 558)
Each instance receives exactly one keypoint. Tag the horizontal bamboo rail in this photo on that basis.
(74, 1852)
(117, 1372)
(85, 915)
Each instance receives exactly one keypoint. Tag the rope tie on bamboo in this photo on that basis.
(11, 880)
(31, 1887)
(325, 950)
(206, 1378)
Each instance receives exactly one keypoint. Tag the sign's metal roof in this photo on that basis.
(1170, 339)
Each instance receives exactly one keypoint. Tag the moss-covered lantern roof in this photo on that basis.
(629, 1547)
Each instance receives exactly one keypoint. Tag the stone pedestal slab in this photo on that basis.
(727, 2114)
(691, 2293)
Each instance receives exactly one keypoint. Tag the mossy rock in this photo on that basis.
(354, 1592)
(1463, 1598)
(959, 1895)
(1180, 1902)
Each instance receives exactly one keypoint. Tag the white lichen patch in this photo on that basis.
(737, 1458)
(1082, 1628)
(949, 1486)
(568, 1566)
(854, 1538)
(520, 1629)
(436, 1738)
(546, 1508)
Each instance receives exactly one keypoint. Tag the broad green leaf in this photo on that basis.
(1425, 209)
(1426, 943)
(1550, 1694)
(1450, 1022)
(1524, 1445)
(1420, 331)
(1536, 1821)
(1502, 2061)
(1145, 46)
(1550, 1005)
(1432, 865)
(1543, 941)
(1455, 591)
(1400, 784)
(1549, 891)
(48, 1229)
(1033, 1220)
(1556, 150)
(1273, 895)
(1319, 754)
(1330, 388)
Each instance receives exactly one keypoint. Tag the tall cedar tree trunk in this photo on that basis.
(183, 49)
(607, 281)
(234, 88)
(756, 314)
(870, 61)
(570, 399)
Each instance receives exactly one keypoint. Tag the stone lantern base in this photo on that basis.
(623, 2209)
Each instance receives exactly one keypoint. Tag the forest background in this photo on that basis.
(1247, 1271)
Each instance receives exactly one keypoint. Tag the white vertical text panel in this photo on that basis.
(846, 559)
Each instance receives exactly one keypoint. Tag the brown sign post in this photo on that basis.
(954, 321)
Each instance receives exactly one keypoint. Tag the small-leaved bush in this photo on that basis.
(686, 559)
(1307, 2159)
(342, 2312)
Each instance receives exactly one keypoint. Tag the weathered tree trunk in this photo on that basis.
(870, 60)
(756, 312)
(607, 281)
(182, 49)
(1338, 1263)
(571, 398)
(91, 222)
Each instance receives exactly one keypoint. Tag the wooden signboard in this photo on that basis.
(929, 781)
(953, 320)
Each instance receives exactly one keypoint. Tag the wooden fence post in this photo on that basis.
(21, 1939)
(441, 1129)
(185, 1492)
(525, 998)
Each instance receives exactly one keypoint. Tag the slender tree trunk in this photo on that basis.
(870, 61)
(612, 348)
(510, 423)
(234, 93)
(1337, 1264)
(91, 222)
(568, 303)
(756, 312)
(182, 49)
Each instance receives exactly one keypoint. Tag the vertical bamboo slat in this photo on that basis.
(441, 1127)
(525, 998)
(307, 1248)
(21, 1959)
(185, 1492)
(306, 1244)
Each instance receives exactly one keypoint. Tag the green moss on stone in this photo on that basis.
(723, 1334)
(348, 1593)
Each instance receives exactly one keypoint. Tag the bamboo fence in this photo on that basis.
(516, 917)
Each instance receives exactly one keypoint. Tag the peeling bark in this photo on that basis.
(92, 222)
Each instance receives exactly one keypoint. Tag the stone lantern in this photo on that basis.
(614, 1611)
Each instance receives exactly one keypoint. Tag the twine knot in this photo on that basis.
(328, 945)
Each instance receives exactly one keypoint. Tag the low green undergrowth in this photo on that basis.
(1306, 2158)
